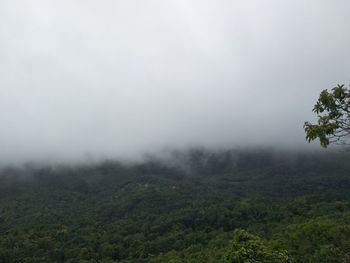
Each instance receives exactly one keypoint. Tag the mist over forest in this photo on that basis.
(174, 131)
(192, 206)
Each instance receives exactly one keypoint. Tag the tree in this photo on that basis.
(247, 248)
(333, 112)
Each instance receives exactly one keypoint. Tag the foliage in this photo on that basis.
(290, 205)
(330, 234)
(247, 248)
(333, 111)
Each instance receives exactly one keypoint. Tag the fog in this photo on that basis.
(104, 79)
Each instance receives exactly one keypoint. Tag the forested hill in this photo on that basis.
(188, 207)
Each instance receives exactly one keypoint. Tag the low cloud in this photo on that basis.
(87, 79)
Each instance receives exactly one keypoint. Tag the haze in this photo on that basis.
(117, 78)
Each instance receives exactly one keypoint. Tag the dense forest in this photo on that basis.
(193, 206)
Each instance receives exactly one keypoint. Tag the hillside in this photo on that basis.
(183, 208)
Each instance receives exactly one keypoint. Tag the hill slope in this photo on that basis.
(180, 209)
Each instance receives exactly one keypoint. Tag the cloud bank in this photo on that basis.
(115, 78)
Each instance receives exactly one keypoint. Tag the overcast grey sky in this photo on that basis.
(110, 78)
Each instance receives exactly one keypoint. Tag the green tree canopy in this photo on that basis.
(247, 248)
(333, 112)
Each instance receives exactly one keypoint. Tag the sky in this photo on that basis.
(101, 79)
